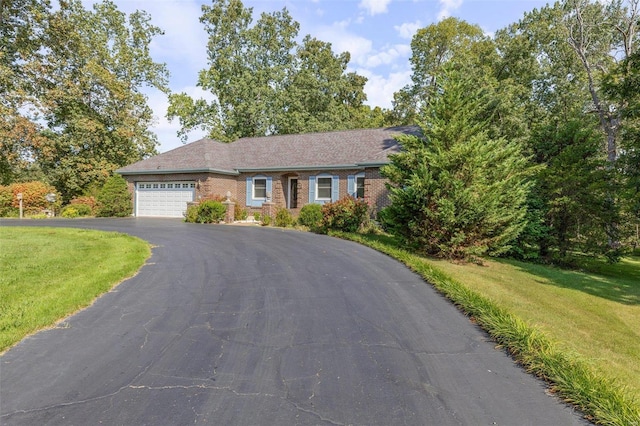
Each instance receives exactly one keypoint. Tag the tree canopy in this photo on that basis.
(264, 82)
(73, 99)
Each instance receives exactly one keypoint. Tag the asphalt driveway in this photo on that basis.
(235, 325)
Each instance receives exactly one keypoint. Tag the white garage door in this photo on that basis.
(166, 199)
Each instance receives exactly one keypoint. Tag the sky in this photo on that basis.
(377, 34)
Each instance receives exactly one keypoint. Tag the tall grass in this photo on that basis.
(601, 398)
(48, 273)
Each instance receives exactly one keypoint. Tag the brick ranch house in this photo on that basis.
(287, 170)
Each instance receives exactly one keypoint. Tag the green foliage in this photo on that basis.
(310, 216)
(210, 212)
(347, 214)
(283, 218)
(6, 201)
(69, 212)
(266, 220)
(114, 199)
(239, 213)
(191, 215)
(76, 210)
(72, 107)
(85, 200)
(450, 41)
(265, 82)
(456, 192)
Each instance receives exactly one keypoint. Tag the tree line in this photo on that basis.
(533, 132)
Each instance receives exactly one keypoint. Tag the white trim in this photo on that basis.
(324, 176)
(355, 184)
(253, 188)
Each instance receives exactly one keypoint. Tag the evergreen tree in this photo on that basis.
(457, 192)
(114, 199)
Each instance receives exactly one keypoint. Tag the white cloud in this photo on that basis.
(408, 29)
(374, 7)
(167, 130)
(388, 56)
(343, 41)
(447, 7)
(380, 89)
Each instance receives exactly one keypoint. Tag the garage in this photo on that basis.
(164, 199)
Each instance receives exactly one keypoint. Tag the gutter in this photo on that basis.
(176, 171)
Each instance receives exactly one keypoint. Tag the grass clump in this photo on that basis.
(49, 273)
(571, 374)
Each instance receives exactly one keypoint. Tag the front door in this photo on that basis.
(292, 202)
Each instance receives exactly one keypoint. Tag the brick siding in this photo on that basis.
(209, 184)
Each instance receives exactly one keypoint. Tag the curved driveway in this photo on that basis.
(232, 325)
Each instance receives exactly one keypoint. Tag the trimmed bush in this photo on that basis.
(211, 212)
(114, 199)
(310, 216)
(69, 212)
(76, 210)
(191, 215)
(283, 218)
(87, 201)
(346, 214)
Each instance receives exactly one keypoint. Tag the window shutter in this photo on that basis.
(335, 188)
(351, 185)
(249, 191)
(269, 187)
(312, 189)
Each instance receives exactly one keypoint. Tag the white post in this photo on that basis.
(19, 197)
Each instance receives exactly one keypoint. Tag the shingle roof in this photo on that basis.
(338, 149)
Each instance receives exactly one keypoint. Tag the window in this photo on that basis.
(323, 188)
(162, 185)
(169, 185)
(359, 186)
(155, 186)
(259, 188)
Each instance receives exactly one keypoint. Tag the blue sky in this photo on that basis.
(377, 33)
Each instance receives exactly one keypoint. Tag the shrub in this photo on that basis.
(33, 198)
(239, 213)
(311, 216)
(346, 214)
(6, 199)
(256, 217)
(76, 210)
(283, 218)
(211, 212)
(83, 209)
(114, 199)
(69, 212)
(87, 201)
(266, 221)
(191, 215)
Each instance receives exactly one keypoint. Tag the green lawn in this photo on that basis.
(49, 273)
(594, 314)
(578, 330)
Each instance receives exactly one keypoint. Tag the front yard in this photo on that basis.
(49, 273)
